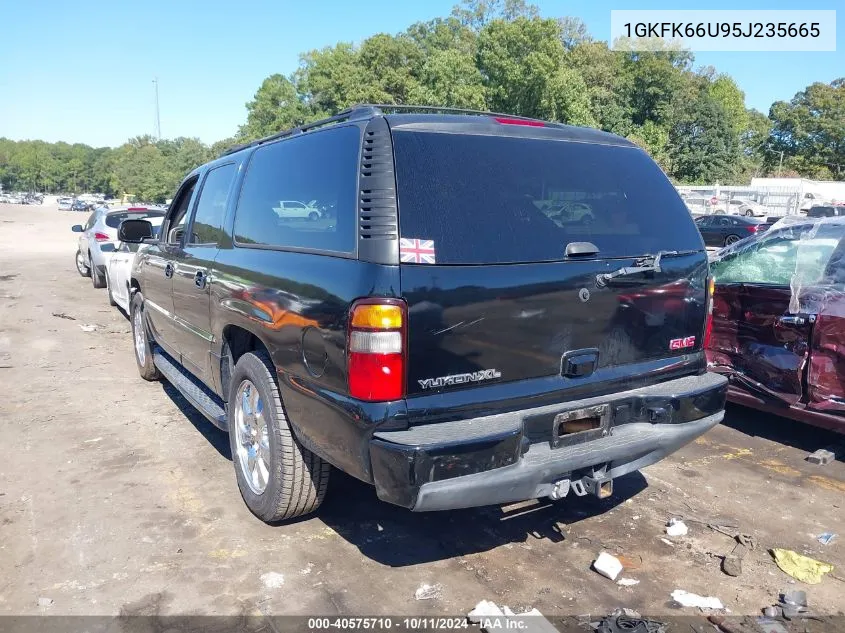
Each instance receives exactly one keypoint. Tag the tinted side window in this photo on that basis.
(320, 170)
(90, 221)
(211, 206)
(178, 215)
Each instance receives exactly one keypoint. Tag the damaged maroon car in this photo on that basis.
(778, 328)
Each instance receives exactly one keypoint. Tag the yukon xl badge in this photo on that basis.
(460, 379)
(682, 343)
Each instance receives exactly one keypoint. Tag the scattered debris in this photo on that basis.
(379, 528)
(772, 612)
(800, 567)
(62, 315)
(722, 624)
(272, 579)
(492, 619)
(793, 603)
(45, 602)
(732, 563)
(607, 565)
(824, 456)
(627, 621)
(825, 538)
(88, 328)
(676, 527)
(92, 441)
(627, 582)
(767, 625)
(687, 599)
(428, 592)
(668, 542)
(307, 569)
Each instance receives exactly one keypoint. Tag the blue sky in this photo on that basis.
(82, 71)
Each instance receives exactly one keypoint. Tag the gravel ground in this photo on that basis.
(117, 498)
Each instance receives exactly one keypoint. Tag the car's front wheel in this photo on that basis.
(141, 339)
(81, 266)
(731, 239)
(277, 476)
(313, 216)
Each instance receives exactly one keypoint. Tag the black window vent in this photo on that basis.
(378, 218)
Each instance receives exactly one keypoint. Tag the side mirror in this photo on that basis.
(107, 248)
(76, 228)
(134, 231)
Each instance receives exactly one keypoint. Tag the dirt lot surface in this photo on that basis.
(117, 498)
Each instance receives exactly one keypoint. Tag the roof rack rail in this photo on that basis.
(425, 108)
(355, 112)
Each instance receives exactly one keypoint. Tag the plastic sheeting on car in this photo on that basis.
(807, 255)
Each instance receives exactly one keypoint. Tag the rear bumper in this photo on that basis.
(511, 457)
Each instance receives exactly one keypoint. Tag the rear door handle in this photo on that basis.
(200, 279)
(168, 270)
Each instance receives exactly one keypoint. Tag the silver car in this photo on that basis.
(100, 229)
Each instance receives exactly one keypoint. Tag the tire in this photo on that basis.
(749, 213)
(731, 239)
(141, 339)
(295, 480)
(97, 278)
(313, 216)
(81, 268)
(112, 302)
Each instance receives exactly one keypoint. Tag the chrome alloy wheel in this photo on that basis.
(140, 336)
(80, 263)
(252, 437)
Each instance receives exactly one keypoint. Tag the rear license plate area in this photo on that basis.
(580, 425)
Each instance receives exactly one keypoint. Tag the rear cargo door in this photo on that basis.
(505, 246)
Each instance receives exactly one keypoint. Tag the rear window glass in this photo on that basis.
(489, 199)
(114, 219)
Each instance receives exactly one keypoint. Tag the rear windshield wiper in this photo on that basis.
(646, 264)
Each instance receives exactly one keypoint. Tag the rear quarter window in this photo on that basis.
(320, 168)
(492, 199)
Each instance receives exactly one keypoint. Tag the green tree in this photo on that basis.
(702, 146)
(810, 130)
(276, 106)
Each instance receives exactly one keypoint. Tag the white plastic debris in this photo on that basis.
(484, 609)
(668, 542)
(607, 565)
(676, 527)
(428, 592)
(687, 599)
(627, 582)
(88, 328)
(45, 602)
(272, 579)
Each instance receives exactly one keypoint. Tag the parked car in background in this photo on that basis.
(80, 205)
(296, 209)
(724, 230)
(119, 264)
(810, 200)
(699, 204)
(470, 350)
(778, 328)
(65, 204)
(101, 229)
(738, 206)
(826, 211)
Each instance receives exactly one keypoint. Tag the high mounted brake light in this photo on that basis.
(528, 122)
(377, 351)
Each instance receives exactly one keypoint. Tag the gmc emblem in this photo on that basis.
(682, 343)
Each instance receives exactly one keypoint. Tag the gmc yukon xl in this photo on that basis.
(482, 309)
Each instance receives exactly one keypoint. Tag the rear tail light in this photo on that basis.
(753, 228)
(708, 323)
(101, 237)
(377, 355)
(509, 121)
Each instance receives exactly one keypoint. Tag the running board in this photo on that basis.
(197, 394)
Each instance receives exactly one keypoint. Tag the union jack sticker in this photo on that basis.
(416, 251)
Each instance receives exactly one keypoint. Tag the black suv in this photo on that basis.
(475, 309)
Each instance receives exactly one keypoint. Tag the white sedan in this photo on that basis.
(296, 209)
(119, 269)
